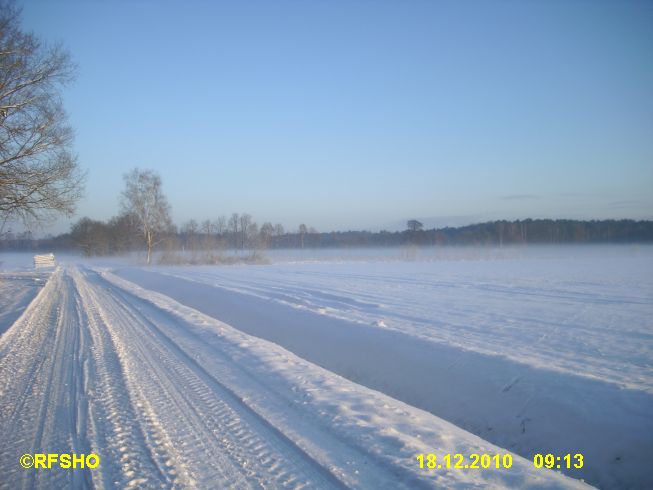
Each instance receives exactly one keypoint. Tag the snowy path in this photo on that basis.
(43, 364)
(170, 398)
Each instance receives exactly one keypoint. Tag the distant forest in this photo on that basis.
(120, 235)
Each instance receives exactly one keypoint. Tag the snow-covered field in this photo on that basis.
(332, 371)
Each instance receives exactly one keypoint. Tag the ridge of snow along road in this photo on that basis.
(169, 397)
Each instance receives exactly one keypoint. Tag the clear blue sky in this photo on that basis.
(360, 114)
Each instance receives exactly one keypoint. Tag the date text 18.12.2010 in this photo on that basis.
(460, 461)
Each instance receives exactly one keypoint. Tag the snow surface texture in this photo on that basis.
(550, 354)
(17, 289)
(170, 397)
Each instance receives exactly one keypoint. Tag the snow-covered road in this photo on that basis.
(170, 397)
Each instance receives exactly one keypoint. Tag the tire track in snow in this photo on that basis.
(342, 453)
(218, 440)
(62, 392)
(129, 457)
(40, 361)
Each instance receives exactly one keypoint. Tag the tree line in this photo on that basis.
(203, 241)
(492, 233)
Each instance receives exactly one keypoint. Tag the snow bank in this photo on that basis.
(328, 416)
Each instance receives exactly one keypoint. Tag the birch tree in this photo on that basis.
(144, 199)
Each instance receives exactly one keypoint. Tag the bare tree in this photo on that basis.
(220, 228)
(245, 223)
(267, 232)
(302, 232)
(219, 225)
(124, 233)
(233, 228)
(143, 197)
(278, 229)
(207, 231)
(91, 236)
(414, 225)
(190, 231)
(39, 175)
(253, 238)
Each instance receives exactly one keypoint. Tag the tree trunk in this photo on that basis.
(149, 247)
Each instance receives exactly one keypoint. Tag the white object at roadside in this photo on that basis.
(46, 260)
